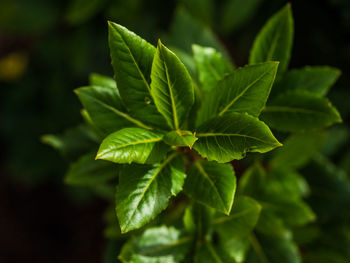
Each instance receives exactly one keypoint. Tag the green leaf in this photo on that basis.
(105, 108)
(171, 87)
(212, 184)
(229, 137)
(246, 90)
(133, 145)
(253, 181)
(274, 41)
(186, 31)
(198, 219)
(315, 79)
(103, 81)
(132, 60)
(180, 138)
(300, 111)
(73, 142)
(207, 252)
(298, 149)
(157, 244)
(211, 66)
(241, 221)
(236, 13)
(270, 249)
(88, 171)
(201, 10)
(144, 191)
(236, 248)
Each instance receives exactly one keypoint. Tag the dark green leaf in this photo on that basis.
(299, 111)
(79, 11)
(144, 191)
(315, 79)
(235, 13)
(171, 87)
(88, 171)
(132, 60)
(207, 252)
(180, 138)
(212, 184)
(229, 137)
(211, 66)
(133, 145)
(298, 149)
(241, 221)
(246, 90)
(198, 219)
(274, 41)
(253, 181)
(157, 244)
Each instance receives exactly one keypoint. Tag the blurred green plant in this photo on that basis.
(161, 127)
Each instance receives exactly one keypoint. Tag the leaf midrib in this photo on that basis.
(135, 63)
(160, 168)
(135, 143)
(204, 173)
(167, 246)
(121, 114)
(232, 135)
(228, 106)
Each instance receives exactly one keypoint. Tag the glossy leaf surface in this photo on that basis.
(180, 138)
(132, 60)
(245, 90)
(144, 191)
(132, 145)
(229, 137)
(171, 87)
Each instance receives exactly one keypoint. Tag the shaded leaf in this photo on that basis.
(157, 244)
(274, 41)
(101, 80)
(299, 111)
(88, 171)
(212, 184)
(207, 252)
(315, 79)
(211, 66)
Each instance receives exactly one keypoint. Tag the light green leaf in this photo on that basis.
(88, 171)
(105, 108)
(315, 79)
(300, 111)
(246, 90)
(132, 60)
(103, 81)
(241, 221)
(229, 137)
(274, 41)
(144, 191)
(171, 87)
(156, 245)
(180, 138)
(236, 13)
(236, 248)
(133, 145)
(211, 66)
(297, 149)
(212, 184)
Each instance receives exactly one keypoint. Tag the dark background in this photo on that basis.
(47, 49)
